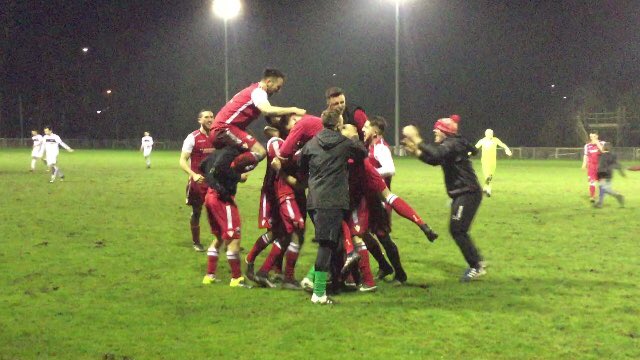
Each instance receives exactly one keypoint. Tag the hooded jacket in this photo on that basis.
(324, 160)
(453, 155)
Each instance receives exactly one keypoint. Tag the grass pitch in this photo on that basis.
(100, 267)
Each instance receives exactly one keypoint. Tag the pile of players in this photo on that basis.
(349, 191)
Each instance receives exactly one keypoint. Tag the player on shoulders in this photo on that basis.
(380, 157)
(146, 146)
(38, 149)
(195, 149)
(590, 159)
(231, 122)
(51, 147)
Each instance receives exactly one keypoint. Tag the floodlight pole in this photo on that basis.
(226, 63)
(397, 98)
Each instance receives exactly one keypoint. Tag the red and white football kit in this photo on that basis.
(199, 145)
(232, 120)
(592, 152)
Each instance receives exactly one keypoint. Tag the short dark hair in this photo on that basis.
(202, 111)
(330, 118)
(333, 92)
(606, 146)
(48, 127)
(272, 73)
(379, 122)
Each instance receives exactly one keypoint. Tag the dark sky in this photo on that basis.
(493, 62)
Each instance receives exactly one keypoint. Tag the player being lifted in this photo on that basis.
(195, 148)
(146, 145)
(590, 159)
(51, 147)
(231, 122)
(380, 157)
(303, 129)
(38, 149)
(489, 145)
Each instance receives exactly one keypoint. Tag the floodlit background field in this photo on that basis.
(100, 267)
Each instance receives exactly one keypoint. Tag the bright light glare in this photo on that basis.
(553, 85)
(85, 49)
(226, 9)
(109, 91)
(564, 97)
(98, 112)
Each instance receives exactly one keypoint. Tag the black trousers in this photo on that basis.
(463, 210)
(328, 225)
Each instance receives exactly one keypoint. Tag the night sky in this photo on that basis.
(492, 62)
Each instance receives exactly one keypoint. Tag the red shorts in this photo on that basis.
(290, 214)
(196, 193)
(230, 135)
(373, 181)
(265, 220)
(359, 219)
(224, 217)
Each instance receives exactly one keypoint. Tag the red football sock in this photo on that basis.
(244, 162)
(212, 260)
(403, 209)
(262, 242)
(292, 256)
(365, 267)
(592, 190)
(234, 264)
(271, 258)
(346, 241)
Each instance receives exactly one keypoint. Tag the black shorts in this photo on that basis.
(328, 224)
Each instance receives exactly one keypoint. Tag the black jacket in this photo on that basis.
(324, 159)
(606, 164)
(453, 155)
(218, 174)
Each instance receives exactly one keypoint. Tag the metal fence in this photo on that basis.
(539, 153)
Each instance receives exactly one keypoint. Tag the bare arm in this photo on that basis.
(505, 147)
(269, 110)
(184, 164)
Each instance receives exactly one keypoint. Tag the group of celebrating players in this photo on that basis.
(349, 198)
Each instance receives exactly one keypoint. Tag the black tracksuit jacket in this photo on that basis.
(453, 155)
(324, 159)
